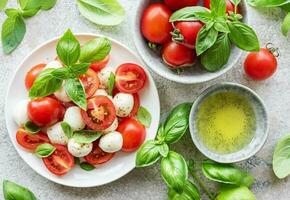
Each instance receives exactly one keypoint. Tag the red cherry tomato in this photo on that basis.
(189, 31)
(30, 141)
(133, 134)
(60, 161)
(98, 156)
(177, 55)
(178, 4)
(130, 78)
(90, 82)
(44, 111)
(260, 65)
(32, 74)
(100, 114)
(229, 6)
(99, 65)
(155, 24)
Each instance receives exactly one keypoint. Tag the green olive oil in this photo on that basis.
(225, 122)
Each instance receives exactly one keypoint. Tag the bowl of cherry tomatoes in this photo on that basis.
(168, 48)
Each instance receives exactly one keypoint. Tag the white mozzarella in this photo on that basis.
(101, 92)
(111, 142)
(79, 149)
(74, 118)
(53, 65)
(124, 104)
(113, 127)
(56, 134)
(61, 94)
(19, 112)
(104, 75)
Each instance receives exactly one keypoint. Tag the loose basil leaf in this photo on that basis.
(45, 84)
(226, 173)
(174, 171)
(243, 36)
(281, 158)
(76, 92)
(68, 48)
(241, 193)
(31, 127)
(286, 25)
(147, 154)
(13, 191)
(218, 8)
(79, 69)
(111, 83)
(95, 50)
(190, 14)
(62, 73)
(86, 136)
(47, 4)
(163, 149)
(144, 116)
(44, 150)
(205, 39)
(218, 55)
(77, 161)
(13, 31)
(12, 12)
(176, 123)
(3, 4)
(67, 129)
(29, 13)
(190, 192)
(29, 4)
(102, 12)
(267, 3)
(87, 166)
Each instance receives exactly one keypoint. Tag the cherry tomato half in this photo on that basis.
(30, 141)
(98, 156)
(99, 65)
(260, 65)
(189, 30)
(32, 74)
(130, 78)
(136, 105)
(178, 4)
(133, 134)
(229, 6)
(100, 114)
(155, 25)
(90, 82)
(44, 111)
(60, 161)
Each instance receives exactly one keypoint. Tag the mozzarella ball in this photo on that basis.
(61, 94)
(19, 112)
(74, 118)
(56, 134)
(53, 65)
(124, 104)
(111, 142)
(101, 92)
(104, 75)
(79, 149)
(113, 127)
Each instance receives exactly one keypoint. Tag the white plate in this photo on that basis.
(122, 163)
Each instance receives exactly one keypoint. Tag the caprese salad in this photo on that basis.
(80, 110)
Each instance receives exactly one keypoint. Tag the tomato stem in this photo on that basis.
(275, 51)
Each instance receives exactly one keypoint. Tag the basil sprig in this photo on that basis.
(13, 191)
(190, 192)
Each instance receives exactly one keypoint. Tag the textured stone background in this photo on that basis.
(147, 183)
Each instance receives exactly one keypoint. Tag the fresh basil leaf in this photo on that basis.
(102, 12)
(286, 7)
(267, 3)
(147, 154)
(3, 4)
(76, 92)
(221, 27)
(45, 84)
(29, 12)
(163, 149)
(111, 84)
(205, 39)
(87, 166)
(161, 134)
(86, 136)
(226, 173)
(144, 116)
(77, 161)
(95, 50)
(62, 73)
(47, 4)
(243, 36)
(67, 129)
(281, 158)
(190, 192)
(31, 127)
(79, 69)
(240, 193)
(68, 48)
(190, 14)
(13, 31)
(174, 171)
(44, 150)
(218, 8)
(12, 12)
(13, 191)
(286, 25)
(177, 122)
(29, 4)
(218, 55)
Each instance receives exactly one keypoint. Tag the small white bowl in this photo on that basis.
(191, 75)
(260, 135)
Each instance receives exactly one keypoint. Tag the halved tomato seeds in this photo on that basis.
(98, 156)
(90, 82)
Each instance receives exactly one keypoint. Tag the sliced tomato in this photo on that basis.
(60, 161)
(90, 82)
(29, 141)
(100, 113)
(99, 65)
(98, 156)
(32, 74)
(130, 78)
(136, 105)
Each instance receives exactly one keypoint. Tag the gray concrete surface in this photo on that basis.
(147, 183)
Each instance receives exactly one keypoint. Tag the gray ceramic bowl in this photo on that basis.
(260, 134)
(191, 75)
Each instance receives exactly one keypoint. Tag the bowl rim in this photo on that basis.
(202, 147)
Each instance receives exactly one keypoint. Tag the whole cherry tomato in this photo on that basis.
(178, 4)
(229, 6)
(99, 65)
(32, 74)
